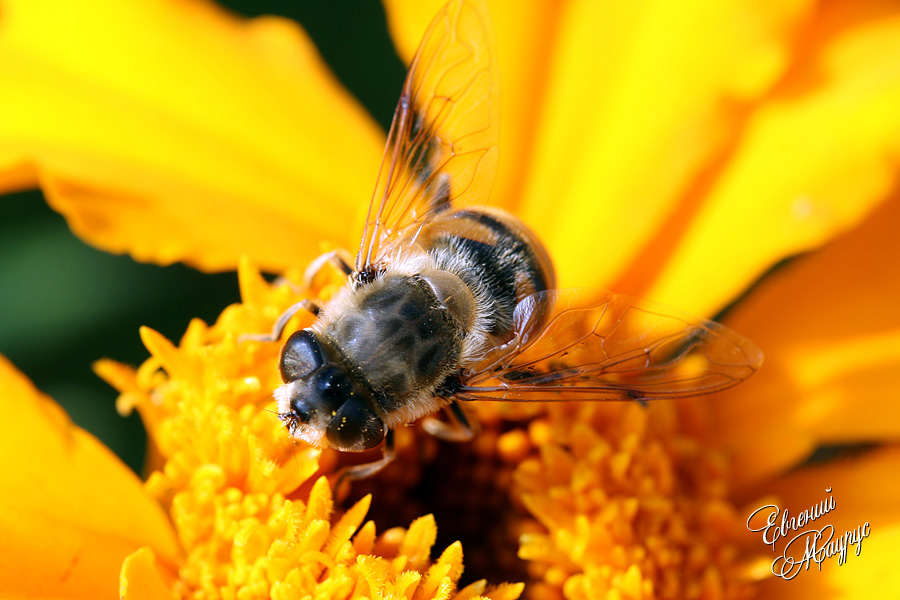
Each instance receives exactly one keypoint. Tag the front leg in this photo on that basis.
(337, 258)
(306, 304)
(365, 470)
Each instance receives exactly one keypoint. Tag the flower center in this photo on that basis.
(623, 504)
(581, 500)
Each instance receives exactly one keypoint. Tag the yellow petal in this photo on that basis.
(830, 329)
(70, 511)
(141, 578)
(175, 131)
(873, 572)
(638, 102)
(812, 161)
(407, 21)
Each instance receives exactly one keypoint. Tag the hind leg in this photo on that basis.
(459, 428)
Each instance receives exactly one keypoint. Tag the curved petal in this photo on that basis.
(608, 110)
(70, 512)
(650, 171)
(141, 578)
(407, 21)
(640, 99)
(812, 161)
(830, 329)
(174, 131)
(870, 574)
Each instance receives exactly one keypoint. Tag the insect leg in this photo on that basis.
(306, 304)
(368, 469)
(459, 429)
(337, 258)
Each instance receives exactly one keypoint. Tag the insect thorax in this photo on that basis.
(401, 339)
(436, 310)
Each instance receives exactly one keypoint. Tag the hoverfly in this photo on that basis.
(450, 302)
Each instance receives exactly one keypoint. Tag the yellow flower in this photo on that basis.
(667, 150)
(70, 511)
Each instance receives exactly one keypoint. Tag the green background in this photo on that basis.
(65, 304)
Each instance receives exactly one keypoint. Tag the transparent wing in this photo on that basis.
(441, 148)
(570, 344)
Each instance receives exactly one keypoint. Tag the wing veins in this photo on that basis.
(447, 104)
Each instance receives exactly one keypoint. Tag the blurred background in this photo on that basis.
(65, 304)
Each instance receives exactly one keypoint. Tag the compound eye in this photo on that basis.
(300, 356)
(355, 427)
(332, 383)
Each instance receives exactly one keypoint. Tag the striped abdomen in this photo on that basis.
(496, 256)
